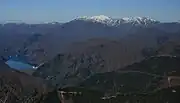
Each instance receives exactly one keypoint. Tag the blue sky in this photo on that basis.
(35, 11)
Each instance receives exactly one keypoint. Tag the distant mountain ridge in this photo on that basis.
(116, 22)
(136, 20)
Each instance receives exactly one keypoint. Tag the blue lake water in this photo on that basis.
(18, 65)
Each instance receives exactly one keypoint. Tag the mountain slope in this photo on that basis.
(61, 36)
(159, 65)
(19, 87)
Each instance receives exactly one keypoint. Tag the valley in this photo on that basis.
(90, 60)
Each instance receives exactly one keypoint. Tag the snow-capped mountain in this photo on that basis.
(116, 22)
(100, 18)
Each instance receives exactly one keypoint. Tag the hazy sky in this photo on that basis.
(35, 11)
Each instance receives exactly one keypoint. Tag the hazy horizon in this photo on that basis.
(65, 10)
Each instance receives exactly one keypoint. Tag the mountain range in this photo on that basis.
(44, 41)
(95, 59)
(117, 22)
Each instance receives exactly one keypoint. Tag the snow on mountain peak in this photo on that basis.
(99, 18)
(138, 19)
(115, 22)
(126, 19)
